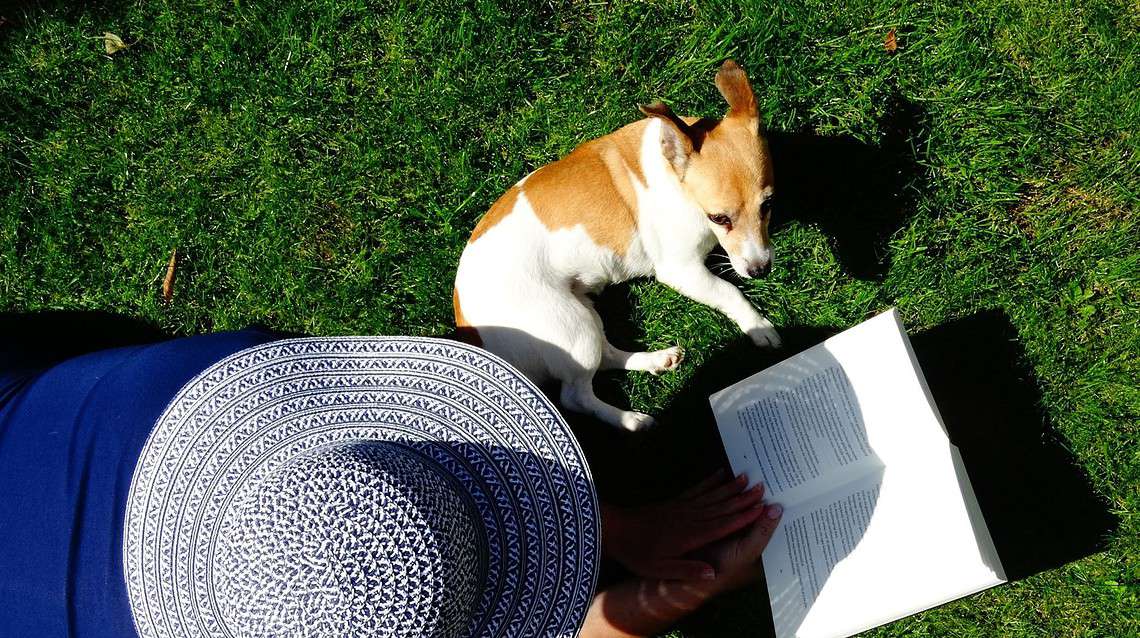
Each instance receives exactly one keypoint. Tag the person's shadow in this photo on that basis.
(1037, 502)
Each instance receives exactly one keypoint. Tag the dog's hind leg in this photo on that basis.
(654, 362)
(573, 355)
(614, 358)
(578, 395)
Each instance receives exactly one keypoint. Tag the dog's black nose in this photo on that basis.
(760, 270)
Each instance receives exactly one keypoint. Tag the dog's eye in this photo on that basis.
(720, 220)
(766, 207)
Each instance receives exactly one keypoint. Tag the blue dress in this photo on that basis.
(70, 435)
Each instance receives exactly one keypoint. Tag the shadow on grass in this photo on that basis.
(684, 445)
(17, 12)
(1038, 504)
(30, 340)
(857, 194)
(35, 339)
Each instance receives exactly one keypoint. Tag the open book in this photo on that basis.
(880, 521)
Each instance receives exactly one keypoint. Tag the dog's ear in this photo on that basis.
(678, 140)
(737, 91)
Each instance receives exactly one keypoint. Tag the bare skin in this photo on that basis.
(683, 553)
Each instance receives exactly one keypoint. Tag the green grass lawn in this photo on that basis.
(319, 164)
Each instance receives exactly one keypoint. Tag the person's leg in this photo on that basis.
(70, 438)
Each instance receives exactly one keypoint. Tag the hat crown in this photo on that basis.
(360, 538)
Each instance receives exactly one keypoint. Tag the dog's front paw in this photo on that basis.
(765, 337)
(667, 359)
(636, 421)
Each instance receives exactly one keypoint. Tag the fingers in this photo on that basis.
(711, 481)
(741, 501)
(717, 529)
(680, 569)
(762, 531)
(723, 491)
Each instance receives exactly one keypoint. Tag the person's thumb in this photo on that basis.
(680, 569)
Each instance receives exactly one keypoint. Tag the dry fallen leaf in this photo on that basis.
(168, 280)
(890, 43)
(113, 43)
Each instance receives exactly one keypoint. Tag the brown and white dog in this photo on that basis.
(651, 198)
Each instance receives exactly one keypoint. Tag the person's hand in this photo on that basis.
(646, 607)
(652, 541)
(737, 559)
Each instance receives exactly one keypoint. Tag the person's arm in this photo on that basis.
(641, 607)
(645, 607)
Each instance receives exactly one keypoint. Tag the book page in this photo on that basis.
(811, 540)
(797, 429)
(977, 521)
(875, 550)
(884, 391)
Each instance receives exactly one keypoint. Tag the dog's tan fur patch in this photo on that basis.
(464, 331)
(592, 187)
(500, 209)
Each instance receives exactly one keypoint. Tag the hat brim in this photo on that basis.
(472, 413)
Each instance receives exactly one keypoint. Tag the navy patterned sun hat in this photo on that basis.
(360, 486)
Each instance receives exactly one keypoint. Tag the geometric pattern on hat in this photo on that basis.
(346, 540)
(464, 409)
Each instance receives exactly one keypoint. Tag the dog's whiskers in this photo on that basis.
(754, 295)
